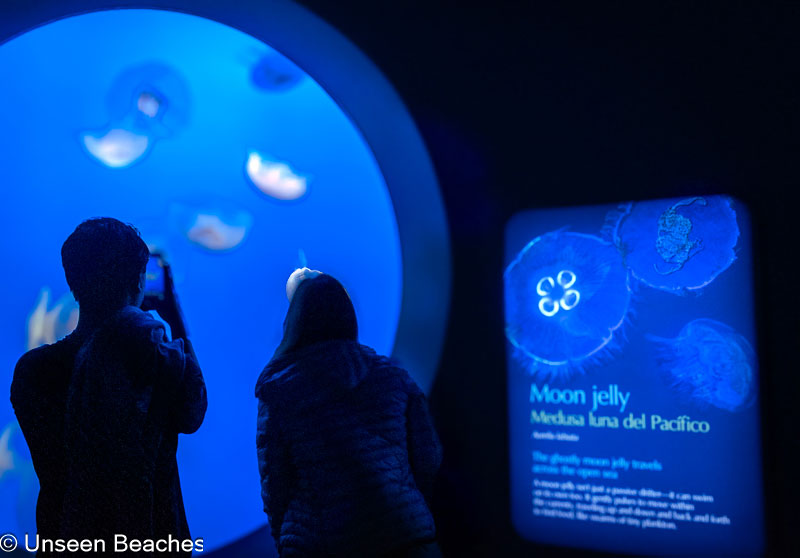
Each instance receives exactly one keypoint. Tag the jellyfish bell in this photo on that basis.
(215, 234)
(275, 73)
(274, 179)
(566, 295)
(217, 227)
(678, 245)
(116, 148)
(709, 363)
(298, 276)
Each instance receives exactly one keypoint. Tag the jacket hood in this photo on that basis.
(326, 367)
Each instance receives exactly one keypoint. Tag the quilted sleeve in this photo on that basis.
(275, 468)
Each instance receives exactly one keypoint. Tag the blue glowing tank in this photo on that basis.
(678, 245)
(566, 295)
(710, 363)
(166, 152)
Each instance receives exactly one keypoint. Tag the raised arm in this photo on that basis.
(193, 401)
(178, 377)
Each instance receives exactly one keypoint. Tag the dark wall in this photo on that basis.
(534, 105)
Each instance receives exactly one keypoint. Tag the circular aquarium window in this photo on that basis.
(238, 158)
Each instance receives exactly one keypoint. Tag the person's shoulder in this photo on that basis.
(273, 384)
(33, 364)
(389, 369)
(43, 355)
(33, 359)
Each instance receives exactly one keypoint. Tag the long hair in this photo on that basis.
(320, 310)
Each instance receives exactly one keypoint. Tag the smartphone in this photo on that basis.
(154, 277)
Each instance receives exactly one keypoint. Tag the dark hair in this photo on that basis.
(103, 260)
(321, 310)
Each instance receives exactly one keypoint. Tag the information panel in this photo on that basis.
(633, 378)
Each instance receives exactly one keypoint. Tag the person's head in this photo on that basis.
(320, 310)
(104, 262)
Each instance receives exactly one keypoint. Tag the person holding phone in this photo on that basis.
(101, 409)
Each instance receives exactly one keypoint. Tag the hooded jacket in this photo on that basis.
(346, 451)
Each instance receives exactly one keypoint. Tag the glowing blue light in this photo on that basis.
(231, 286)
(546, 287)
(274, 178)
(566, 295)
(710, 363)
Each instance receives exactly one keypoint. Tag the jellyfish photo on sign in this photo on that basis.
(710, 363)
(678, 245)
(566, 296)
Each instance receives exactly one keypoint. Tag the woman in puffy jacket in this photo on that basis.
(346, 448)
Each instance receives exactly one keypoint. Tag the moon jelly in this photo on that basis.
(566, 295)
(146, 103)
(678, 245)
(275, 73)
(710, 363)
(116, 148)
(274, 178)
(217, 229)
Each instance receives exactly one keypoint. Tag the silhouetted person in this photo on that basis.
(102, 408)
(346, 448)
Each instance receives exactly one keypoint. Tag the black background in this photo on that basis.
(534, 104)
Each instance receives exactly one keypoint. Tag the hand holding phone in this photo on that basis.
(159, 294)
